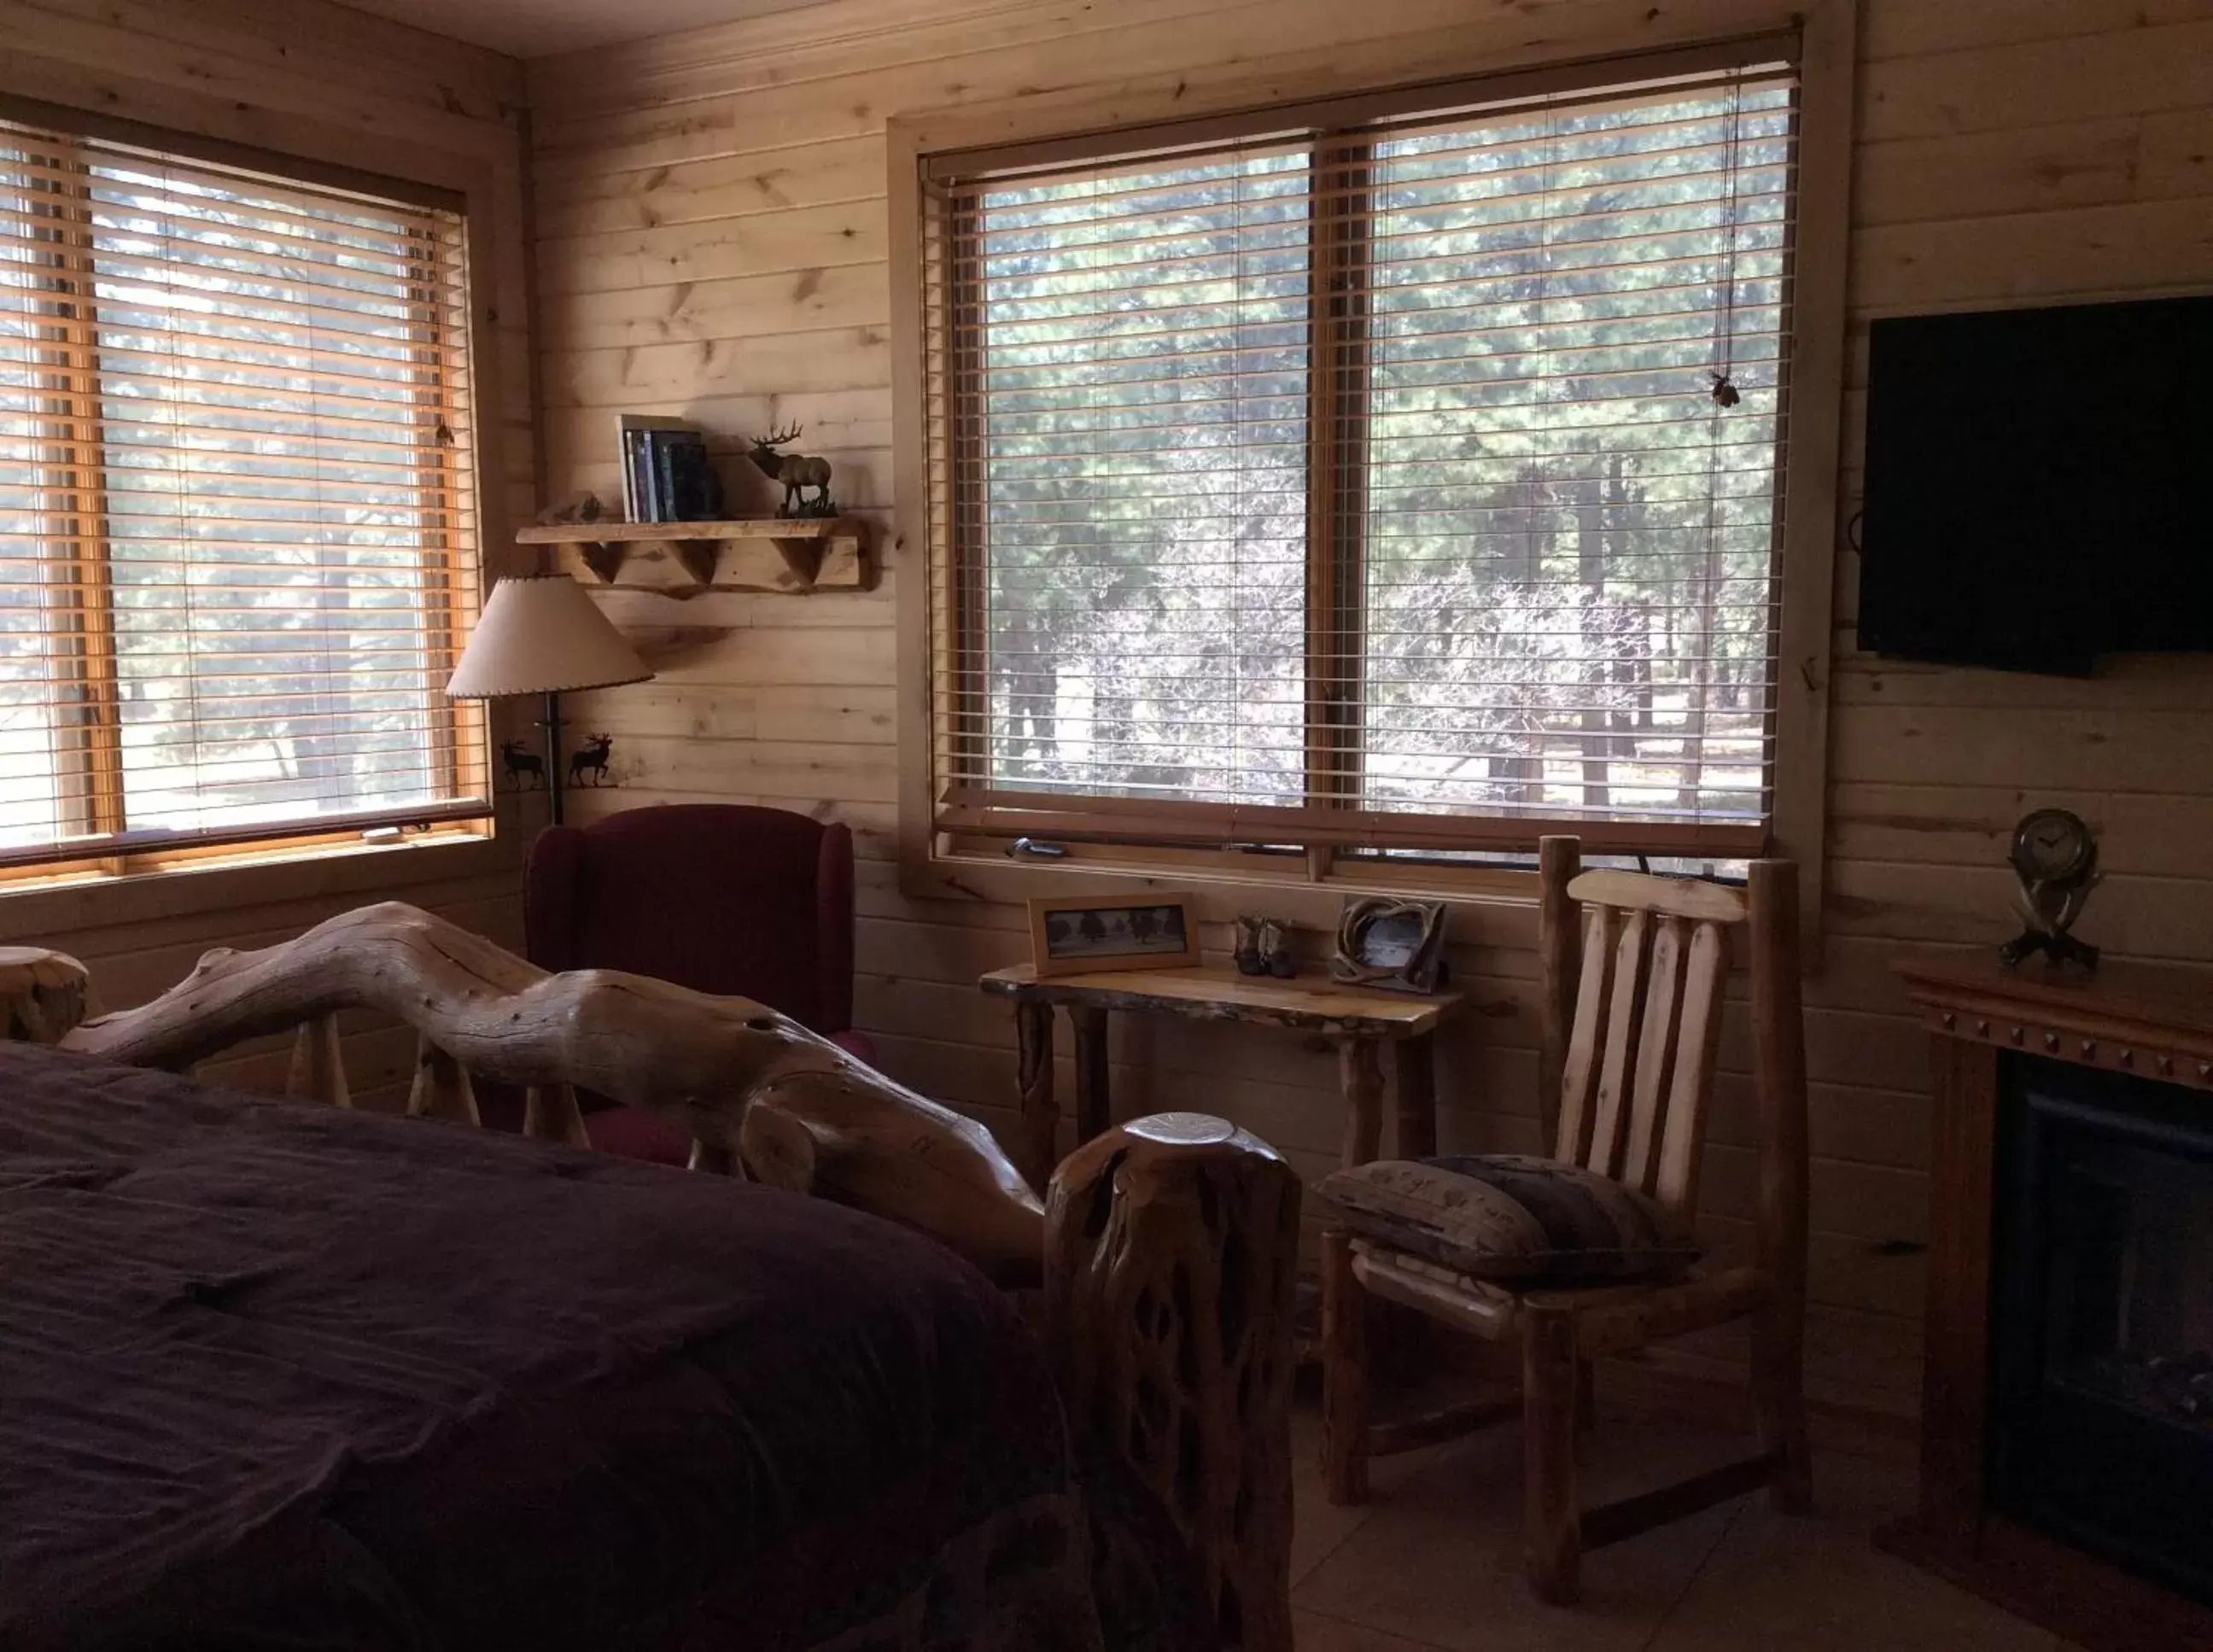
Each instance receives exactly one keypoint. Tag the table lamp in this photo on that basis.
(540, 634)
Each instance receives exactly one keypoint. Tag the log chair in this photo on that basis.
(1167, 1251)
(1632, 992)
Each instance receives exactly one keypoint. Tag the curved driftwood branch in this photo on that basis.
(742, 1079)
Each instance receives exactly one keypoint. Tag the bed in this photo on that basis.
(275, 1373)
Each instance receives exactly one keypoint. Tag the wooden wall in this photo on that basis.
(711, 241)
(310, 78)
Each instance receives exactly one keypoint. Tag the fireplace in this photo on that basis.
(2100, 1422)
(2066, 1403)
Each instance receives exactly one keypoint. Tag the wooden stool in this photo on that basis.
(42, 994)
(1172, 1249)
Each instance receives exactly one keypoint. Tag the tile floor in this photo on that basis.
(1435, 1561)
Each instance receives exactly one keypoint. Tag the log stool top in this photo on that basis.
(42, 994)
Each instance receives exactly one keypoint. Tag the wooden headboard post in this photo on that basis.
(1168, 1259)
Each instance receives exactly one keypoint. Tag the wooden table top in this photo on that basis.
(1214, 992)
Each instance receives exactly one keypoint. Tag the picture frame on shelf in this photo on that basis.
(1396, 945)
(1071, 935)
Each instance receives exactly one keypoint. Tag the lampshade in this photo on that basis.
(542, 634)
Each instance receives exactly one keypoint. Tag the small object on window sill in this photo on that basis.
(387, 834)
(1030, 847)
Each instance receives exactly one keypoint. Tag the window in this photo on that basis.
(1397, 475)
(236, 502)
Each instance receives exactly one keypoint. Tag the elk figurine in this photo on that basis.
(796, 472)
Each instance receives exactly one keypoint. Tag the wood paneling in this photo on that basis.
(313, 79)
(725, 189)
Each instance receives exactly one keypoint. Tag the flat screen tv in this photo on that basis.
(2039, 485)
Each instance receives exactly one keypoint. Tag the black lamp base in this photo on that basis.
(551, 722)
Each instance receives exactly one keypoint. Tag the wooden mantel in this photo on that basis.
(2155, 1021)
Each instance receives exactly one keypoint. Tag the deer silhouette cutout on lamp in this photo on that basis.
(796, 471)
(541, 634)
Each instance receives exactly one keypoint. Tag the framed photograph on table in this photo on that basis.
(1071, 935)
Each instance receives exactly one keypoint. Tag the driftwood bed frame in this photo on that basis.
(1167, 1249)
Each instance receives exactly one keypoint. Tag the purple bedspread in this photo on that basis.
(277, 1375)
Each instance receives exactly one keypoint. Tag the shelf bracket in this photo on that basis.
(605, 560)
(802, 556)
(698, 557)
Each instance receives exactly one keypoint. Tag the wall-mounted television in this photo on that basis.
(2039, 485)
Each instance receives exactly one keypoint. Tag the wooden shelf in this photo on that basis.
(681, 559)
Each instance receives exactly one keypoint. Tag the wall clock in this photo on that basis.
(2055, 857)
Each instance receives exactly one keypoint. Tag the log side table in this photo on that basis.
(1360, 1021)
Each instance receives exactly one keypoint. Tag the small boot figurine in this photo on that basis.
(1249, 960)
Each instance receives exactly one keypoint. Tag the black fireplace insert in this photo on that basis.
(2101, 1350)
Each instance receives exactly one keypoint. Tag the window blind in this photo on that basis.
(1138, 401)
(1411, 484)
(236, 504)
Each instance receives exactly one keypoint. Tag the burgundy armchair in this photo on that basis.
(727, 899)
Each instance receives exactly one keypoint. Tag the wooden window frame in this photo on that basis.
(1039, 132)
(461, 735)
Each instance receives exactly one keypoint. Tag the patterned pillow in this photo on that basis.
(1507, 1215)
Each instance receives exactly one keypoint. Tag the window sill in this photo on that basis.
(1491, 906)
(50, 910)
(1507, 895)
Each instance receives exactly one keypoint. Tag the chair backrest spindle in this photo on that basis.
(1616, 1055)
(1674, 1180)
(1655, 1050)
(1580, 1004)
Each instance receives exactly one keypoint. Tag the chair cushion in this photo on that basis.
(1508, 1216)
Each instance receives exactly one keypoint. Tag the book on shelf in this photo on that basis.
(641, 499)
(686, 487)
